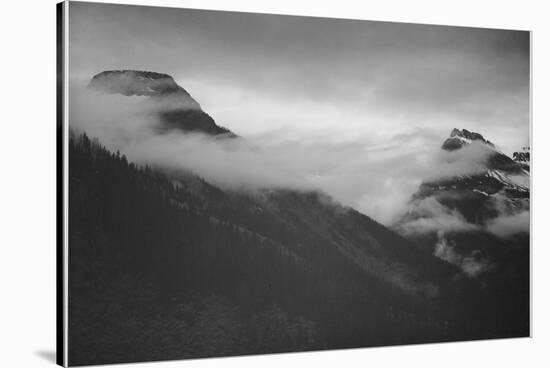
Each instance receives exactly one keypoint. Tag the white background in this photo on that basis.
(27, 182)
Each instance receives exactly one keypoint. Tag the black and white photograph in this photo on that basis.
(244, 183)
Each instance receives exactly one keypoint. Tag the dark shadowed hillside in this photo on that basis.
(172, 267)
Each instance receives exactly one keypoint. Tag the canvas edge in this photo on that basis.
(61, 184)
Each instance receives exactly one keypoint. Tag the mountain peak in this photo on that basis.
(176, 108)
(460, 138)
(135, 83)
(495, 160)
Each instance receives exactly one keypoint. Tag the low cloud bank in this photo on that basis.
(511, 217)
(374, 175)
(434, 217)
(506, 226)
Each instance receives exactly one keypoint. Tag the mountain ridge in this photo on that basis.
(166, 265)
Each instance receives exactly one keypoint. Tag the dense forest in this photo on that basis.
(163, 265)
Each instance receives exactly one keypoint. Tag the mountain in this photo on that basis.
(478, 219)
(460, 138)
(495, 184)
(165, 265)
(176, 108)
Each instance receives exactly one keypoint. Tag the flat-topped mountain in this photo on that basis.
(176, 108)
(134, 82)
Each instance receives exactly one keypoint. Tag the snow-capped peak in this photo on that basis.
(460, 138)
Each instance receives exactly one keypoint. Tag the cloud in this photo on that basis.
(506, 226)
(433, 217)
(472, 264)
(512, 216)
(372, 173)
(396, 75)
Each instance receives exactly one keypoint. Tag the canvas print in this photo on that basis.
(242, 183)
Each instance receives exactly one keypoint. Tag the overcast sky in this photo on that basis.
(255, 73)
(358, 108)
